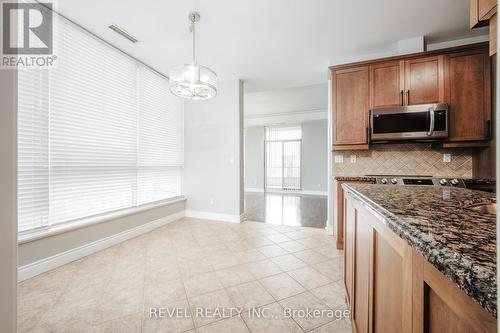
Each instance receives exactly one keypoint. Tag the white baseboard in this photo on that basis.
(47, 264)
(329, 229)
(215, 216)
(254, 190)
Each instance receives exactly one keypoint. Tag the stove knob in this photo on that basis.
(454, 182)
(443, 182)
(383, 180)
(394, 181)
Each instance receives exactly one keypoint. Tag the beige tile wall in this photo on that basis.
(405, 159)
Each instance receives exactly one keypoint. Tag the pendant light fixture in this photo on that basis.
(193, 81)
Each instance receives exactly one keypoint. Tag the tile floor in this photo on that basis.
(192, 266)
(286, 209)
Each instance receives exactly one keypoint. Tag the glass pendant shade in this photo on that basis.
(193, 81)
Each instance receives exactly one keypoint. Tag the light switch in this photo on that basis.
(446, 158)
(353, 158)
(339, 159)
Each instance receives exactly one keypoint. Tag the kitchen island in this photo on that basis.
(418, 258)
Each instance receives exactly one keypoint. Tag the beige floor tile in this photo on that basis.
(211, 307)
(307, 301)
(296, 235)
(250, 295)
(32, 306)
(331, 268)
(118, 303)
(310, 256)
(194, 267)
(68, 317)
(223, 260)
(271, 251)
(250, 255)
(127, 324)
(161, 273)
(279, 238)
(171, 321)
(202, 284)
(272, 321)
(329, 251)
(235, 275)
(231, 325)
(336, 326)
(311, 242)
(282, 286)
(331, 294)
(292, 246)
(309, 278)
(265, 268)
(260, 241)
(157, 295)
(288, 262)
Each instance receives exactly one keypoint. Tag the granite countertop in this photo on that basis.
(459, 242)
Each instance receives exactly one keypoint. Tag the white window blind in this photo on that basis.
(160, 140)
(97, 133)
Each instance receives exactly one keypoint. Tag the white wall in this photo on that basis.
(8, 199)
(293, 105)
(213, 156)
(254, 158)
(315, 156)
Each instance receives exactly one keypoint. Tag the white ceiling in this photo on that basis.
(270, 44)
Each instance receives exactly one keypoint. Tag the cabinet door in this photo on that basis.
(362, 273)
(486, 9)
(392, 280)
(468, 95)
(424, 80)
(350, 106)
(349, 217)
(386, 84)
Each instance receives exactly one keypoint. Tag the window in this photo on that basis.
(283, 157)
(97, 133)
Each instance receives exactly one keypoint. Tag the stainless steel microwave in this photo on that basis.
(412, 122)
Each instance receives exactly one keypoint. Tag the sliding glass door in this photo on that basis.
(283, 147)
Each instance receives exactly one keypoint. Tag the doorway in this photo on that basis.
(283, 158)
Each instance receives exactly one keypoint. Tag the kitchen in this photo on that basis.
(413, 167)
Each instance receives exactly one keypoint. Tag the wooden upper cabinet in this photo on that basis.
(386, 84)
(424, 80)
(350, 105)
(468, 95)
(481, 11)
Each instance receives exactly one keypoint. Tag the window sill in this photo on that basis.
(34, 235)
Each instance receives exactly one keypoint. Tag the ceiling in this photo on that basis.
(270, 44)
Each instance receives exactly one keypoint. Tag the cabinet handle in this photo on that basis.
(402, 98)
(408, 97)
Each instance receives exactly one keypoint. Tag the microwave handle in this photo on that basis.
(431, 127)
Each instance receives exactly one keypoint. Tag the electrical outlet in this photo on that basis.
(339, 158)
(446, 158)
(353, 158)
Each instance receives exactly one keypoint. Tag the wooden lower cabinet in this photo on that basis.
(339, 206)
(392, 288)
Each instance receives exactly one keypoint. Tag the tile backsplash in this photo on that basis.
(405, 159)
